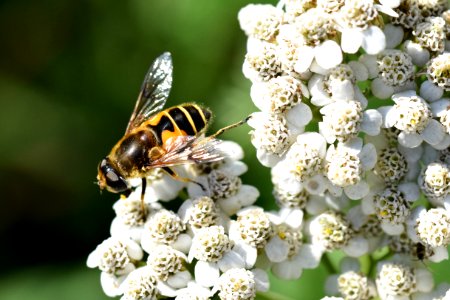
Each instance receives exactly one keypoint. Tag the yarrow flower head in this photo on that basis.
(330, 230)
(353, 285)
(140, 285)
(241, 284)
(266, 26)
(438, 71)
(435, 182)
(165, 262)
(433, 227)
(391, 165)
(391, 206)
(346, 164)
(163, 227)
(254, 227)
(413, 116)
(200, 213)
(431, 34)
(395, 279)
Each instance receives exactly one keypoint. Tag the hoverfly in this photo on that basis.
(157, 138)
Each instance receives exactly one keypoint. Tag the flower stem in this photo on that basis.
(328, 264)
(374, 261)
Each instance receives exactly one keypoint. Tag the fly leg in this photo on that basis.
(175, 176)
(144, 185)
(226, 128)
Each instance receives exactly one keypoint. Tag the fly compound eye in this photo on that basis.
(114, 181)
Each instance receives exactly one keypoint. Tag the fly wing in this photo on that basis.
(189, 150)
(154, 91)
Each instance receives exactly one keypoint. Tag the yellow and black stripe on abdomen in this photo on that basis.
(189, 118)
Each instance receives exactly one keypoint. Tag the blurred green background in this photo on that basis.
(70, 72)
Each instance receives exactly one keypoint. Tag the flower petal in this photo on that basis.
(434, 133)
(380, 89)
(357, 191)
(410, 191)
(277, 249)
(374, 40)
(430, 91)
(351, 40)
(231, 259)
(409, 140)
(261, 280)
(359, 69)
(328, 54)
(287, 270)
(206, 273)
(393, 229)
(309, 256)
(424, 279)
(356, 247)
(368, 156)
(305, 59)
(371, 122)
(300, 115)
(394, 35)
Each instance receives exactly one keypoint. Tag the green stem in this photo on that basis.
(328, 264)
(373, 261)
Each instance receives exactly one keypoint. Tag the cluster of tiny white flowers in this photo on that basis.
(199, 247)
(354, 122)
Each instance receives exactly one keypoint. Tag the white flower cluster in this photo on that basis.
(354, 122)
(203, 246)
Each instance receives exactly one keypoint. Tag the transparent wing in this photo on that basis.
(154, 91)
(190, 150)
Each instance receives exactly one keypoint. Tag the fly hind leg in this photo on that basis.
(175, 176)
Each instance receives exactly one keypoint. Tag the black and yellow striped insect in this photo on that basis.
(157, 138)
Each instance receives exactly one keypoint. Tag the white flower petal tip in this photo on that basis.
(357, 191)
(277, 249)
(305, 59)
(261, 280)
(300, 115)
(328, 54)
(206, 274)
(356, 247)
(351, 40)
(420, 56)
(394, 35)
(434, 133)
(393, 229)
(374, 40)
(287, 270)
(111, 284)
(424, 279)
(309, 256)
(372, 121)
(430, 91)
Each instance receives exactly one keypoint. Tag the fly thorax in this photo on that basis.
(133, 151)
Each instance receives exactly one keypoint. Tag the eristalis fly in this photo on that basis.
(157, 138)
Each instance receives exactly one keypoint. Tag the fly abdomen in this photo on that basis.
(190, 118)
(185, 119)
